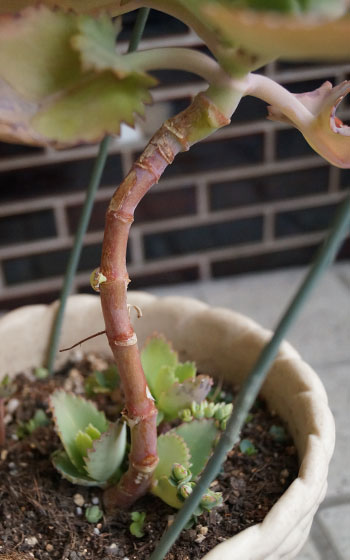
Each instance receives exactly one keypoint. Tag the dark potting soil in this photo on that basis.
(42, 515)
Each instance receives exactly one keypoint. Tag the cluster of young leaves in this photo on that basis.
(39, 419)
(174, 385)
(94, 448)
(57, 69)
(102, 381)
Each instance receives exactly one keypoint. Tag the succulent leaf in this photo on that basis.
(186, 370)
(157, 354)
(181, 395)
(46, 95)
(166, 492)
(69, 471)
(96, 45)
(292, 35)
(171, 449)
(83, 442)
(200, 437)
(107, 453)
(71, 415)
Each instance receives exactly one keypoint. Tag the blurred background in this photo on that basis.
(253, 197)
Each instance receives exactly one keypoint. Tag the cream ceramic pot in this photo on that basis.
(223, 344)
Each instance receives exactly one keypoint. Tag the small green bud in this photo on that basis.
(97, 278)
(184, 490)
(223, 411)
(210, 500)
(186, 415)
(93, 514)
(210, 410)
(179, 472)
(198, 410)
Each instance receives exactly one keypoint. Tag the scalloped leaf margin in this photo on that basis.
(59, 85)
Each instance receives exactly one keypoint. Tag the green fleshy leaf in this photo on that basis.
(106, 100)
(107, 453)
(93, 514)
(186, 370)
(200, 437)
(247, 447)
(67, 470)
(290, 36)
(163, 380)
(96, 45)
(93, 432)
(36, 57)
(181, 395)
(171, 449)
(166, 492)
(45, 91)
(156, 354)
(138, 521)
(71, 415)
(83, 442)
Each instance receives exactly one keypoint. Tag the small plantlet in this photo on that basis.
(247, 447)
(40, 419)
(93, 514)
(102, 381)
(173, 384)
(138, 522)
(94, 448)
(278, 433)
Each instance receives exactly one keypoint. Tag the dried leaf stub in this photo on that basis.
(59, 84)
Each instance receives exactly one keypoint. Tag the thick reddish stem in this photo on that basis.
(200, 119)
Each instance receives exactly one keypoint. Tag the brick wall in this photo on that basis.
(252, 197)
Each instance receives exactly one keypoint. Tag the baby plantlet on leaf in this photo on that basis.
(186, 446)
(93, 448)
(138, 521)
(173, 384)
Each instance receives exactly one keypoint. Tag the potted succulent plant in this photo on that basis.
(56, 67)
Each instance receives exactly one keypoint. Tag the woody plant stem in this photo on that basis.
(208, 112)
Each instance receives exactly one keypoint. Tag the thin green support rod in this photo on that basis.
(74, 256)
(254, 381)
(94, 183)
